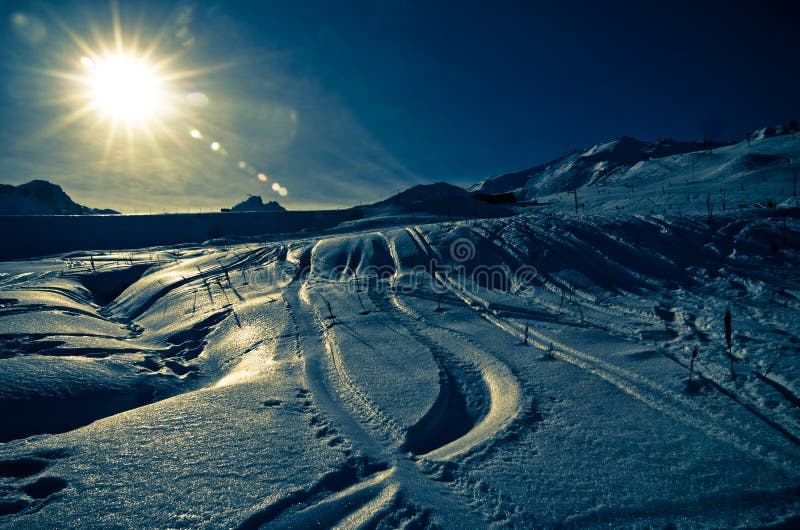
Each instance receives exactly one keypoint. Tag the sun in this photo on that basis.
(141, 87)
(124, 88)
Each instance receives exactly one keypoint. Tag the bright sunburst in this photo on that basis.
(124, 88)
(128, 85)
(127, 93)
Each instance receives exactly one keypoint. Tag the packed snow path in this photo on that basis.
(523, 372)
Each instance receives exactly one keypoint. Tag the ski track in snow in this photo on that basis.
(639, 387)
(503, 392)
(377, 436)
(360, 420)
(191, 324)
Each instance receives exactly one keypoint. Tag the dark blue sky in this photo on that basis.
(347, 102)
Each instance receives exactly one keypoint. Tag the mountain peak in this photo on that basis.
(254, 204)
(577, 169)
(423, 193)
(41, 197)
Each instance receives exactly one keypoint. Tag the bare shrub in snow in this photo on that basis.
(691, 364)
(728, 337)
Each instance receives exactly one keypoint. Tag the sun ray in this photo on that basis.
(135, 37)
(112, 131)
(117, 27)
(76, 39)
(101, 45)
(167, 131)
(136, 85)
(62, 123)
(130, 145)
(196, 72)
(152, 142)
(154, 44)
(57, 74)
(60, 100)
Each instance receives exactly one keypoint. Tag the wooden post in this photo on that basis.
(575, 193)
(728, 340)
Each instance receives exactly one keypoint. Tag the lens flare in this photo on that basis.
(197, 99)
(262, 177)
(29, 28)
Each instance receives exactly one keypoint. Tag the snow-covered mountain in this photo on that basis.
(40, 197)
(580, 168)
(423, 195)
(439, 198)
(663, 168)
(631, 176)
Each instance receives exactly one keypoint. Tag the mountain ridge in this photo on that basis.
(624, 154)
(254, 203)
(41, 197)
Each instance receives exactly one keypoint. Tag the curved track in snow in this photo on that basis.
(408, 404)
(500, 389)
(655, 395)
(382, 479)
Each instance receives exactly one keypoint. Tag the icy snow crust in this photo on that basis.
(525, 372)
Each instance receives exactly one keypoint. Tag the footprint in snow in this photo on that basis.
(21, 472)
